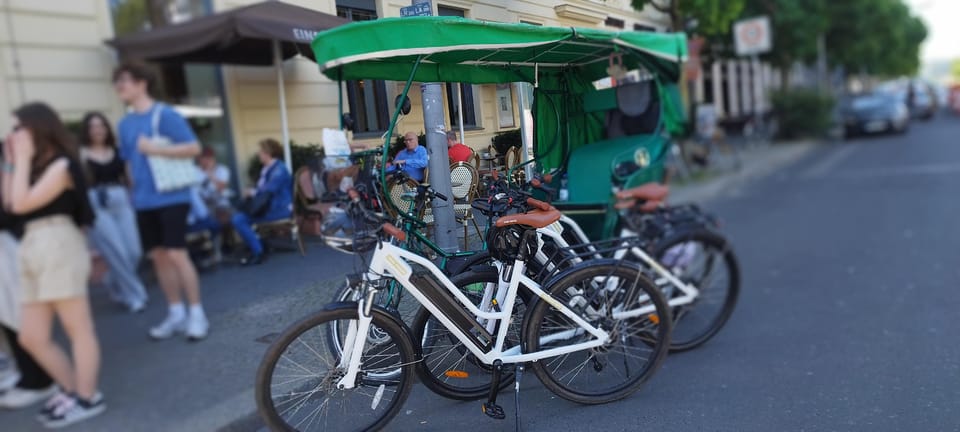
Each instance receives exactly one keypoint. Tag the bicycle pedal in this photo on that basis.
(493, 410)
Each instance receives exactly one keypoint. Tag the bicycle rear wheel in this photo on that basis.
(447, 367)
(296, 383)
(704, 259)
(636, 346)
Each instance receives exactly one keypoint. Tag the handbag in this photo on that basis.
(257, 205)
(169, 174)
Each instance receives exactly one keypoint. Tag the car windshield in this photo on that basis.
(869, 101)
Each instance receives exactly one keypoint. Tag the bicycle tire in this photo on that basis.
(686, 334)
(322, 385)
(442, 353)
(650, 331)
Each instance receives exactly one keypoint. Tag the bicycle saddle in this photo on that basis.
(542, 215)
(648, 195)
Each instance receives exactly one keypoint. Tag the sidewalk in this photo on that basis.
(755, 162)
(174, 385)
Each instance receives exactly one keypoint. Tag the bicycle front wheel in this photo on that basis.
(636, 346)
(296, 383)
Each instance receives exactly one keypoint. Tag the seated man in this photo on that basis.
(457, 151)
(412, 159)
(273, 199)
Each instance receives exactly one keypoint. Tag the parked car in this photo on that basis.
(924, 106)
(875, 112)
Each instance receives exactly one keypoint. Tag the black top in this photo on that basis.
(110, 173)
(71, 202)
(9, 222)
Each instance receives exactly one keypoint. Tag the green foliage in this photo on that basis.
(796, 24)
(130, 16)
(299, 155)
(877, 37)
(714, 17)
(955, 70)
(802, 113)
(502, 141)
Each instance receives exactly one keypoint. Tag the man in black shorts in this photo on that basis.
(161, 216)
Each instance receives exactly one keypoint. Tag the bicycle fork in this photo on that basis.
(355, 340)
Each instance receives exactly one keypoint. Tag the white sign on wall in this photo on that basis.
(752, 36)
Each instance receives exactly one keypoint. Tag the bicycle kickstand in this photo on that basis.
(490, 407)
(516, 389)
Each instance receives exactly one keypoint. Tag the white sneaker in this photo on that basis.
(74, 410)
(197, 328)
(17, 397)
(168, 328)
(137, 306)
(8, 378)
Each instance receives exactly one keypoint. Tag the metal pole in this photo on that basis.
(445, 223)
(524, 127)
(278, 65)
(460, 111)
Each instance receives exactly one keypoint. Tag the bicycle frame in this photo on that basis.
(393, 262)
(690, 292)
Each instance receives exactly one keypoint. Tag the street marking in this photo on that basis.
(832, 160)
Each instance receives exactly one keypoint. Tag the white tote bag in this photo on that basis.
(169, 174)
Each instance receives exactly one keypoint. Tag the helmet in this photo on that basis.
(504, 242)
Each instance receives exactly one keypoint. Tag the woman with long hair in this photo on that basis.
(114, 232)
(47, 190)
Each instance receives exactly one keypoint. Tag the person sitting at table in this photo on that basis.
(271, 200)
(412, 159)
(457, 151)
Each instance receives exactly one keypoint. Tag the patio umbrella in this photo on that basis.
(261, 34)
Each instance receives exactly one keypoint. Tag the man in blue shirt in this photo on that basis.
(412, 160)
(161, 216)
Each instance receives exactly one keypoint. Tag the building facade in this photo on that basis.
(53, 50)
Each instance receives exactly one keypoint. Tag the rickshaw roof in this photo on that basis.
(462, 50)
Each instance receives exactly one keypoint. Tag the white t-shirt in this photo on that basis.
(208, 190)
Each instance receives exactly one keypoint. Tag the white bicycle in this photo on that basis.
(594, 334)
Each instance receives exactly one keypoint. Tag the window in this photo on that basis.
(449, 11)
(366, 99)
(614, 22)
(641, 27)
(469, 103)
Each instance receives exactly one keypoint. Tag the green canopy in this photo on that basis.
(464, 50)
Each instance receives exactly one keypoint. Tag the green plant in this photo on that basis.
(802, 113)
(299, 155)
(503, 141)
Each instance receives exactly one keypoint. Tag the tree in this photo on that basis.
(955, 70)
(876, 37)
(714, 17)
(796, 26)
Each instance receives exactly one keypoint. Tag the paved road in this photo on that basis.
(846, 319)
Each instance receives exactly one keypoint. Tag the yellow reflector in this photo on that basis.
(654, 318)
(456, 374)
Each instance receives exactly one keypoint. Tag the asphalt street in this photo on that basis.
(846, 319)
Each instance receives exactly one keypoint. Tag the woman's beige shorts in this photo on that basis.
(54, 260)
